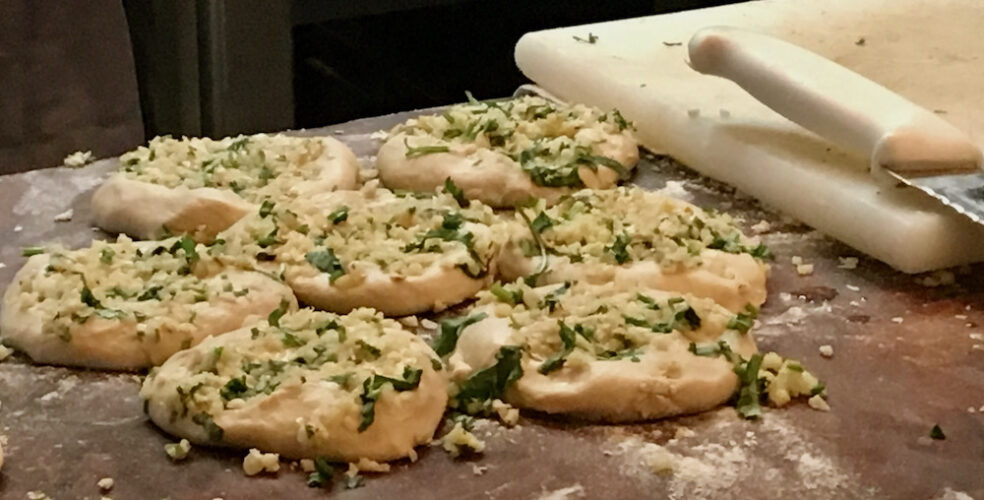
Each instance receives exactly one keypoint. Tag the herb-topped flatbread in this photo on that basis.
(597, 352)
(127, 305)
(306, 384)
(634, 236)
(505, 152)
(200, 186)
(372, 248)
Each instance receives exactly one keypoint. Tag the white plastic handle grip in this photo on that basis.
(840, 105)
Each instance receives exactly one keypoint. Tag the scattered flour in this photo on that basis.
(675, 189)
(572, 491)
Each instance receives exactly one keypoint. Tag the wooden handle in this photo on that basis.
(840, 105)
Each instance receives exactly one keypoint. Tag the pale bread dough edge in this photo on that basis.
(402, 421)
(108, 344)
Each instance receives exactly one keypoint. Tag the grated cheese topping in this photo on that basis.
(629, 224)
(550, 141)
(255, 167)
(374, 229)
(153, 285)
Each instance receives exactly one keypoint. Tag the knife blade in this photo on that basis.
(901, 139)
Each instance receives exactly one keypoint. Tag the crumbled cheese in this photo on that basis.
(683, 433)
(971, 409)
(37, 495)
(818, 403)
(307, 465)
(428, 324)
(409, 321)
(796, 260)
(459, 441)
(64, 216)
(78, 159)
(106, 483)
(848, 262)
(973, 336)
(506, 412)
(366, 465)
(256, 462)
(18, 228)
(853, 288)
(2, 265)
(898, 319)
(379, 135)
(826, 350)
(761, 226)
(960, 316)
(804, 269)
(178, 451)
(478, 470)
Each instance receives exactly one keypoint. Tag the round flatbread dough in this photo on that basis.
(370, 248)
(505, 152)
(201, 186)
(604, 353)
(126, 305)
(629, 235)
(311, 384)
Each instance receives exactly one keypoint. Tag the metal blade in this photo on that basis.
(963, 193)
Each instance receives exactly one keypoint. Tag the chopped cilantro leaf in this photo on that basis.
(326, 262)
(750, 391)
(511, 297)
(274, 318)
(152, 292)
(937, 433)
(339, 215)
(459, 196)
(31, 251)
(568, 338)
(89, 299)
(372, 389)
(414, 152)
(552, 299)
(451, 329)
(541, 223)
(266, 208)
(212, 429)
(323, 472)
(491, 382)
(187, 245)
(106, 255)
(620, 248)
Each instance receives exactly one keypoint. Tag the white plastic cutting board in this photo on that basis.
(930, 51)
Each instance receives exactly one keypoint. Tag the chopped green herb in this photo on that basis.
(511, 297)
(687, 318)
(339, 215)
(323, 472)
(187, 245)
(89, 299)
(31, 251)
(106, 255)
(456, 192)
(291, 340)
(239, 144)
(568, 338)
(552, 299)
(750, 392)
(743, 322)
(274, 317)
(451, 329)
(620, 120)
(620, 248)
(212, 429)
(372, 389)
(266, 208)
(152, 292)
(541, 223)
(491, 382)
(937, 433)
(471, 98)
(414, 152)
(326, 262)
(371, 351)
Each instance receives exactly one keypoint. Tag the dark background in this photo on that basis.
(263, 65)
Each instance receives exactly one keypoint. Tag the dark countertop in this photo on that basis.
(906, 357)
